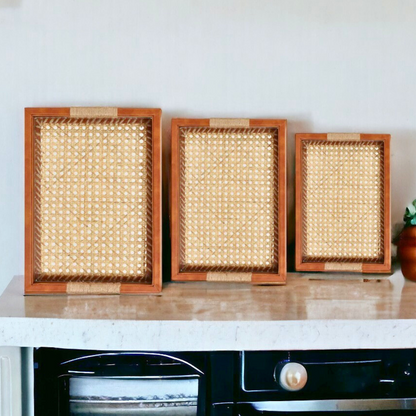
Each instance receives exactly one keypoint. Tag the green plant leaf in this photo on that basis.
(413, 221)
(411, 208)
(414, 203)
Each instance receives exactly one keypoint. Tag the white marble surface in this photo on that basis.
(304, 314)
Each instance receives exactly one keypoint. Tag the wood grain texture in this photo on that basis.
(257, 278)
(303, 265)
(32, 287)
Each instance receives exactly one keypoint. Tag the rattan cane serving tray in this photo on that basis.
(343, 202)
(228, 200)
(92, 200)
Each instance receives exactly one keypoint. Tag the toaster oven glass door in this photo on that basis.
(152, 396)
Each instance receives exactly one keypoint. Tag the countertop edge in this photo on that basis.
(197, 335)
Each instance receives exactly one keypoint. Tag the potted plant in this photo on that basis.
(407, 243)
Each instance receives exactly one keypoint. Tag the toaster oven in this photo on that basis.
(78, 383)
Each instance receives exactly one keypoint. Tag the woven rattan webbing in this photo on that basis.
(228, 199)
(93, 200)
(342, 201)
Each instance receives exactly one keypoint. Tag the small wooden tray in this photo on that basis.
(228, 200)
(92, 200)
(343, 202)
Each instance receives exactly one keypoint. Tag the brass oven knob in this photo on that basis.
(293, 377)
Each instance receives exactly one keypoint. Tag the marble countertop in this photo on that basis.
(307, 313)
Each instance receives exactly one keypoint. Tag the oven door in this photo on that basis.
(130, 384)
(347, 407)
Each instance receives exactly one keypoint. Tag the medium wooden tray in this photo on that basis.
(343, 202)
(92, 200)
(228, 200)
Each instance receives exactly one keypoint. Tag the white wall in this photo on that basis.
(325, 65)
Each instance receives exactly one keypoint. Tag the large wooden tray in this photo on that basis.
(92, 200)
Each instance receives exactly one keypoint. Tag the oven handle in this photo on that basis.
(338, 405)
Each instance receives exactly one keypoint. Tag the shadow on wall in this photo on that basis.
(166, 132)
(295, 124)
(12, 4)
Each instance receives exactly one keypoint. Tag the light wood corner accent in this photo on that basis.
(229, 122)
(93, 112)
(229, 277)
(344, 267)
(343, 137)
(75, 288)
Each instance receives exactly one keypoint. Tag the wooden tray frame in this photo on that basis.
(32, 287)
(256, 278)
(344, 266)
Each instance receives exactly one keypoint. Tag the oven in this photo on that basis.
(327, 383)
(245, 383)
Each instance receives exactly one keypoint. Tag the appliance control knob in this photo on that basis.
(293, 377)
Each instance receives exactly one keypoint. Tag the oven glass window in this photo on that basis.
(110, 396)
